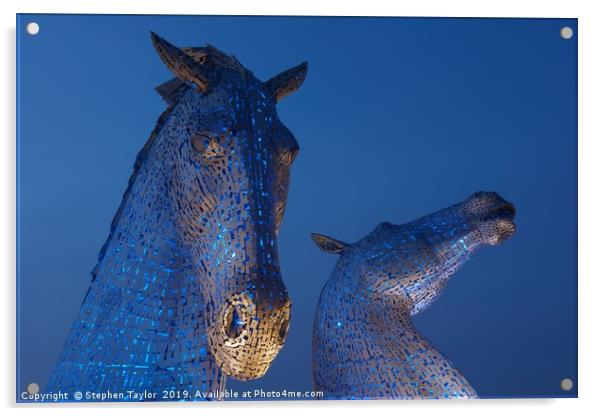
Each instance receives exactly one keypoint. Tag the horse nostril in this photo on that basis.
(506, 210)
(233, 323)
(283, 323)
(282, 331)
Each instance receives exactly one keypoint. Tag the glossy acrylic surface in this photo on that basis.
(397, 118)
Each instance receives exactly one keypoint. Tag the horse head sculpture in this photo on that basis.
(365, 345)
(188, 285)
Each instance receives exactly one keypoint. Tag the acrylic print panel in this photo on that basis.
(296, 208)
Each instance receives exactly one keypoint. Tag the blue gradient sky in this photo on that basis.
(397, 118)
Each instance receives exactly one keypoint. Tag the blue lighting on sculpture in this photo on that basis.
(365, 345)
(188, 289)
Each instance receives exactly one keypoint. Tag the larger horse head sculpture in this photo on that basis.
(188, 284)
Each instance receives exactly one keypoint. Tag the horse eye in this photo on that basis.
(209, 147)
(200, 142)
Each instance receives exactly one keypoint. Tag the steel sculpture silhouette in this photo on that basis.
(364, 343)
(188, 288)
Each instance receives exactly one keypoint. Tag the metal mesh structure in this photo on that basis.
(364, 343)
(188, 288)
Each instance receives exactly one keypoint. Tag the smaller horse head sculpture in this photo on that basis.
(363, 325)
(231, 158)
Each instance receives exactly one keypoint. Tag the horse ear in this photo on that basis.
(329, 244)
(286, 82)
(181, 64)
(172, 90)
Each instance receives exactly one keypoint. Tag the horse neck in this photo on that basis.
(420, 369)
(374, 336)
(388, 320)
(145, 226)
(144, 235)
(147, 295)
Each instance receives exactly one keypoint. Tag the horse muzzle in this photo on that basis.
(249, 330)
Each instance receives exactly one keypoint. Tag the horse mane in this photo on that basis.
(140, 158)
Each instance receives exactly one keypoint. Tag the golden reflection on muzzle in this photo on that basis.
(492, 215)
(247, 335)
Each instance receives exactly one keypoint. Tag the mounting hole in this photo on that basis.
(566, 384)
(566, 32)
(33, 388)
(32, 28)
